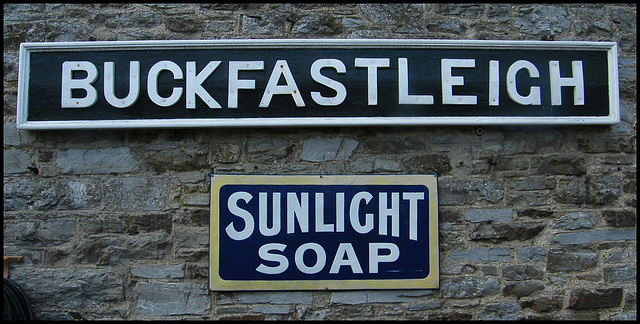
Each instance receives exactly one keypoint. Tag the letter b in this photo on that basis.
(69, 83)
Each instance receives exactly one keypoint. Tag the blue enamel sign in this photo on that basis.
(323, 232)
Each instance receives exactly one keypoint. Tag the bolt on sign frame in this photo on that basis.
(316, 232)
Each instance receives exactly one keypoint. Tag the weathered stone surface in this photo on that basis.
(603, 189)
(522, 289)
(276, 298)
(172, 298)
(531, 253)
(15, 161)
(13, 136)
(115, 249)
(577, 220)
(571, 191)
(158, 271)
(391, 146)
(83, 287)
(620, 274)
(620, 218)
(519, 273)
(184, 24)
(372, 296)
(481, 254)
(139, 193)
(318, 149)
(503, 311)
(317, 24)
(595, 236)
(562, 165)
(44, 233)
(469, 287)
(392, 14)
(261, 25)
(466, 192)
(100, 161)
(464, 10)
(271, 309)
(571, 260)
(484, 215)
(430, 163)
(498, 232)
(600, 298)
(543, 304)
(538, 19)
(263, 149)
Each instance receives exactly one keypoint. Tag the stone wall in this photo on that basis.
(536, 222)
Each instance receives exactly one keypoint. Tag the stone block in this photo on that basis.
(429, 163)
(276, 298)
(469, 287)
(184, 24)
(158, 271)
(100, 161)
(81, 287)
(577, 220)
(595, 236)
(622, 218)
(172, 298)
(139, 193)
(521, 272)
(267, 149)
(502, 311)
(271, 309)
(543, 304)
(606, 144)
(531, 253)
(318, 149)
(522, 289)
(620, 274)
(497, 232)
(531, 183)
(468, 191)
(481, 254)
(571, 260)
(562, 165)
(12, 136)
(603, 189)
(116, 249)
(600, 298)
(374, 296)
(485, 215)
(391, 14)
(262, 25)
(317, 24)
(15, 161)
(539, 19)
(391, 146)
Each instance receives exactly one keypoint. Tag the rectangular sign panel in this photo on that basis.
(315, 82)
(304, 232)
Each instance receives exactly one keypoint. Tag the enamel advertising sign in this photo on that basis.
(315, 82)
(316, 232)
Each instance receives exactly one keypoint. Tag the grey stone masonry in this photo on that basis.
(535, 221)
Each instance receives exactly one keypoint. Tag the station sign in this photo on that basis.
(315, 82)
(317, 232)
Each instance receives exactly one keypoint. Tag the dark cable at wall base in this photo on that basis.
(16, 304)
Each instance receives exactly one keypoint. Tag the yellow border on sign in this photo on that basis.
(432, 281)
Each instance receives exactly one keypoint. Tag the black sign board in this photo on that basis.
(289, 82)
